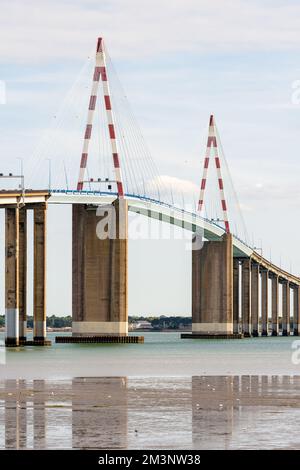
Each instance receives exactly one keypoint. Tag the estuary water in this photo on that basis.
(162, 354)
(167, 393)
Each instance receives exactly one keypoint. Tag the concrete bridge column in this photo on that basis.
(254, 297)
(212, 289)
(264, 301)
(100, 270)
(12, 276)
(246, 292)
(296, 311)
(275, 301)
(39, 313)
(236, 295)
(285, 308)
(22, 274)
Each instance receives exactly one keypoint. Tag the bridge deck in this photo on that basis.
(148, 207)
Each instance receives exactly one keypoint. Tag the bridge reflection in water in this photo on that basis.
(219, 412)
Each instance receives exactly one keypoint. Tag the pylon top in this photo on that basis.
(212, 146)
(100, 45)
(100, 72)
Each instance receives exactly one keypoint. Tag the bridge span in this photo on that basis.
(230, 280)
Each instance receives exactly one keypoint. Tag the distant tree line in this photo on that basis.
(171, 322)
(162, 322)
(53, 321)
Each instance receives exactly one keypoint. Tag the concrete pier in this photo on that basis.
(285, 308)
(264, 301)
(16, 206)
(22, 275)
(236, 295)
(39, 334)
(246, 292)
(100, 280)
(212, 290)
(12, 276)
(275, 302)
(99, 276)
(296, 312)
(254, 297)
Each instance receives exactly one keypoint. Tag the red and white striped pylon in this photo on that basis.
(212, 150)
(100, 71)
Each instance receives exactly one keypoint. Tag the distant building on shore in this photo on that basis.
(141, 325)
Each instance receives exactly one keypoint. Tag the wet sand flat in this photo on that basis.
(199, 412)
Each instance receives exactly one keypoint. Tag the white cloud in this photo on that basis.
(178, 184)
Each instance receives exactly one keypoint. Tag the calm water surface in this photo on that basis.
(162, 354)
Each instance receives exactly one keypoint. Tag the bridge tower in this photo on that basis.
(213, 299)
(212, 150)
(99, 274)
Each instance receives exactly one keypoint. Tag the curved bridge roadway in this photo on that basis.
(150, 208)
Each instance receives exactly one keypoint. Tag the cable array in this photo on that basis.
(56, 160)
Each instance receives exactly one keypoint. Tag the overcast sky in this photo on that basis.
(178, 61)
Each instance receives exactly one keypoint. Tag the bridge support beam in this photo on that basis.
(12, 276)
(100, 271)
(39, 294)
(246, 292)
(296, 311)
(275, 303)
(236, 295)
(264, 301)
(22, 275)
(285, 308)
(212, 290)
(254, 297)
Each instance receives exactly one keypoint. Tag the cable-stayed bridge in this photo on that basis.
(235, 291)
